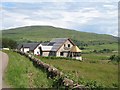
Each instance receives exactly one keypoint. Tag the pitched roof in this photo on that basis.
(32, 46)
(53, 45)
(44, 43)
(57, 42)
(75, 49)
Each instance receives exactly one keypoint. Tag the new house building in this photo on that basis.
(59, 47)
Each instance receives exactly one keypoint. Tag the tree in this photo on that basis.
(9, 43)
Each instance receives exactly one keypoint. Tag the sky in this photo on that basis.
(96, 16)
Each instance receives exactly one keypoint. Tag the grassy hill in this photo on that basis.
(46, 33)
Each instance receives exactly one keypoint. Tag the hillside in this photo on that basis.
(46, 33)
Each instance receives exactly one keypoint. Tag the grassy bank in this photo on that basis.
(21, 73)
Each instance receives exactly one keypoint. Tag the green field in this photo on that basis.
(113, 46)
(21, 73)
(104, 73)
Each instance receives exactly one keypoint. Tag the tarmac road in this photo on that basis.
(3, 65)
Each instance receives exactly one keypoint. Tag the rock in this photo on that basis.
(60, 74)
(46, 66)
(26, 54)
(29, 56)
(80, 87)
(68, 82)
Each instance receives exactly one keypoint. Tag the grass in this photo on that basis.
(112, 47)
(95, 67)
(103, 72)
(94, 56)
(44, 33)
(21, 73)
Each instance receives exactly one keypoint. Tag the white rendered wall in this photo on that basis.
(26, 50)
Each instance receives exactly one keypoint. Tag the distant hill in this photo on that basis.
(46, 33)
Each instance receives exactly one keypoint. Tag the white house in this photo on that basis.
(58, 47)
(64, 47)
(30, 47)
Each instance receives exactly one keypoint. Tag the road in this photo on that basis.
(3, 65)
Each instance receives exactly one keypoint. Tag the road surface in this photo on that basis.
(3, 65)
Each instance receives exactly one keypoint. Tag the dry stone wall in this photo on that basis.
(51, 71)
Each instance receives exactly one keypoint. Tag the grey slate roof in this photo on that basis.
(57, 42)
(32, 46)
(45, 43)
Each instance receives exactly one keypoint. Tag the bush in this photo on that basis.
(58, 82)
(102, 51)
(105, 51)
(91, 84)
(114, 58)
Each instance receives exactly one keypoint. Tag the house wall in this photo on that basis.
(52, 53)
(45, 54)
(26, 50)
(37, 51)
(65, 49)
(46, 50)
(21, 49)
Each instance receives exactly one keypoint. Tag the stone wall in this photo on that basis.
(52, 71)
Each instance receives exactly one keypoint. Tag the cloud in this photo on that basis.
(31, 1)
(109, 6)
(79, 16)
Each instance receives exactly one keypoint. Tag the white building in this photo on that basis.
(58, 47)
(30, 48)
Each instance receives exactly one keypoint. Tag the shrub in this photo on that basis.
(91, 84)
(105, 51)
(58, 82)
(102, 51)
(115, 84)
(114, 58)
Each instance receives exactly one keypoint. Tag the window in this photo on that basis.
(64, 45)
(61, 53)
(68, 45)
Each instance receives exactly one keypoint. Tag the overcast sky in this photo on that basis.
(98, 16)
